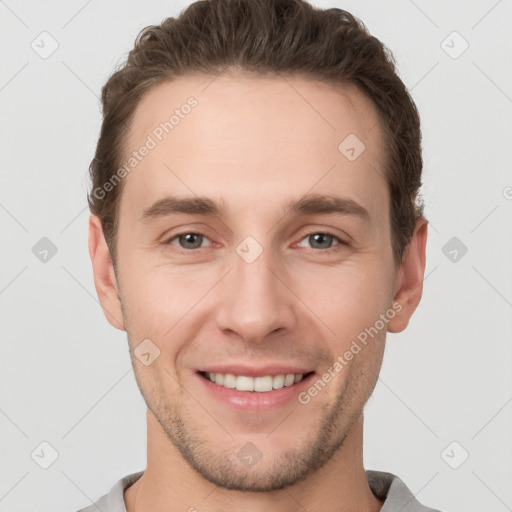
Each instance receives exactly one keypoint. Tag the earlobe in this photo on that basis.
(105, 280)
(409, 281)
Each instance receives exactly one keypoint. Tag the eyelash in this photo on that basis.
(323, 232)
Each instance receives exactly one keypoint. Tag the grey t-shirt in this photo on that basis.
(386, 486)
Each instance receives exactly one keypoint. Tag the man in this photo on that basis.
(256, 230)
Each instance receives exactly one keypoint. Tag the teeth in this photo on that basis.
(289, 379)
(278, 381)
(229, 381)
(259, 384)
(244, 383)
(263, 383)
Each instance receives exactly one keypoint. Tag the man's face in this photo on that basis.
(261, 290)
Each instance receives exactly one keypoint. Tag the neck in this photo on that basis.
(169, 482)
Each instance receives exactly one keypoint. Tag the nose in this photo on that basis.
(255, 300)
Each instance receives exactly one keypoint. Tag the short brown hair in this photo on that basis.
(266, 37)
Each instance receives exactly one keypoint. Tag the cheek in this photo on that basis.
(348, 299)
(158, 303)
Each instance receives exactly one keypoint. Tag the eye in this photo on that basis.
(188, 241)
(319, 240)
(323, 240)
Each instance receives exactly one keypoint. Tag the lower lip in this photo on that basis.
(254, 401)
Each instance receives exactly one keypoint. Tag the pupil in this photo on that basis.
(189, 238)
(321, 235)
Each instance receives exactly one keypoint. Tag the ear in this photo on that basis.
(409, 280)
(104, 276)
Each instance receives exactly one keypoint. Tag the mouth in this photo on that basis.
(259, 384)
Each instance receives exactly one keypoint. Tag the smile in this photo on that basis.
(257, 384)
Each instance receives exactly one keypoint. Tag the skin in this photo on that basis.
(255, 143)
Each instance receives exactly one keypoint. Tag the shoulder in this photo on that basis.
(113, 501)
(395, 494)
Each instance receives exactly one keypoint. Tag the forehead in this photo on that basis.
(278, 135)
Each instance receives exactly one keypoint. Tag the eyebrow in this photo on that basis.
(309, 204)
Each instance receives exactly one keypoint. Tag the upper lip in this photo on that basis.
(253, 371)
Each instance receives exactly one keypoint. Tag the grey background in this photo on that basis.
(66, 377)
